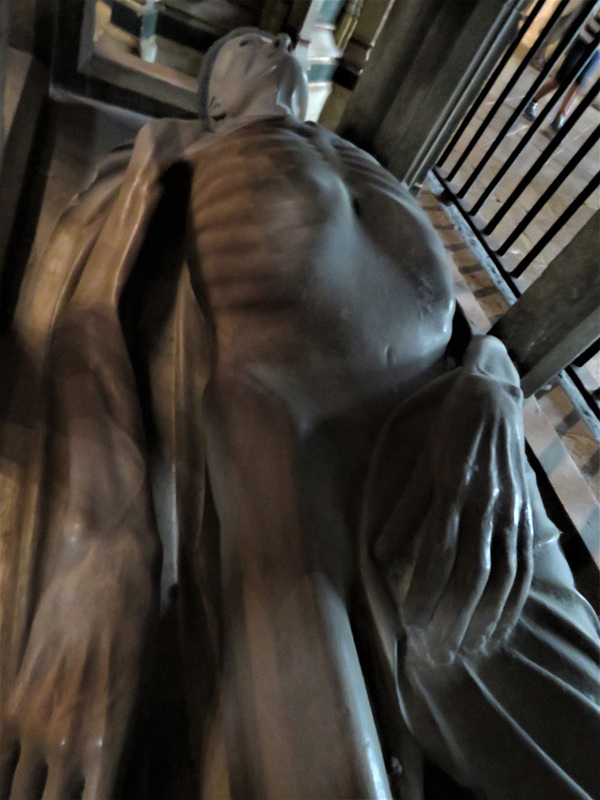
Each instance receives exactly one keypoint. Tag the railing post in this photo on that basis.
(558, 317)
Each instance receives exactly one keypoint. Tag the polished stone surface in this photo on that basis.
(373, 501)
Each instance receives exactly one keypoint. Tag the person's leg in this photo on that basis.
(549, 86)
(567, 102)
(531, 108)
(574, 92)
(553, 37)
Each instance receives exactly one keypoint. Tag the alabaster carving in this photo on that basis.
(364, 552)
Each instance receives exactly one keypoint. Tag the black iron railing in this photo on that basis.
(491, 200)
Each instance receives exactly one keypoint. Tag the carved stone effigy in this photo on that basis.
(370, 569)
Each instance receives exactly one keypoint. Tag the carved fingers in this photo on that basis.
(61, 783)
(67, 716)
(40, 775)
(30, 773)
(40, 765)
(465, 526)
(34, 778)
(511, 553)
(59, 718)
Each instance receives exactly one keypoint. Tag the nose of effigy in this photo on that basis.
(283, 42)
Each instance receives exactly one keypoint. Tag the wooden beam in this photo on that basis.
(559, 315)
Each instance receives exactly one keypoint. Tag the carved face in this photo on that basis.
(257, 74)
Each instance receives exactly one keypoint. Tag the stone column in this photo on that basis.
(318, 51)
(370, 21)
(312, 25)
(414, 85)
(356, 35)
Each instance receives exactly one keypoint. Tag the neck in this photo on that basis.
(263, 106)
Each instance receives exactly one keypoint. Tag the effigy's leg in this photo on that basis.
(297, 717)
(523, 721)
(73, 698)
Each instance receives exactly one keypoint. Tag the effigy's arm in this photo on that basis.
(460, 536)
(70, 706)
(461, 533)
(159, 144)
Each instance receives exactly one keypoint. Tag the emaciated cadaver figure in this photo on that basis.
(363, 497)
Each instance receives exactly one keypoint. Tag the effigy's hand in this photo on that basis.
(464, 521)
(69, 710)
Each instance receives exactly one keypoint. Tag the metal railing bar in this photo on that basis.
(510, 282)
(583, 391)
(542, 159)
(448, 195)
(535, 126)
(547, 194)
(506, 91)
(567, 40)
(556, 226)
(491, 81)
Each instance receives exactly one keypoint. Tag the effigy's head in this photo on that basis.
(250, 73)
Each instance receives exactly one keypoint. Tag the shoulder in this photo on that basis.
(163, 142)
(362, 172)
